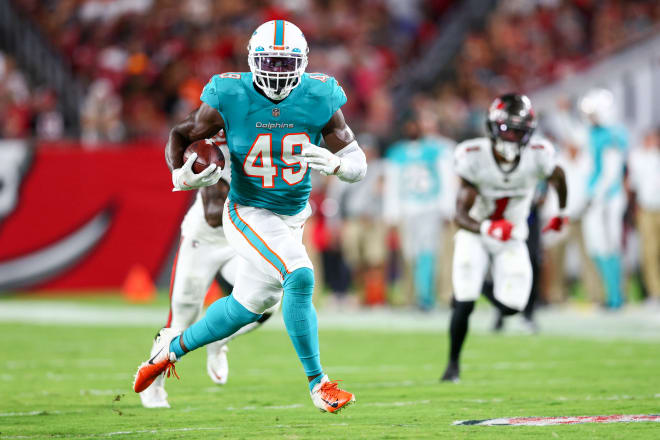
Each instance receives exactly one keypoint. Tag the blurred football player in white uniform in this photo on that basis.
(498, 175)
(603, 220)
(203, 252)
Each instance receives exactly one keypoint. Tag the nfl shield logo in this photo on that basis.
(276, 112)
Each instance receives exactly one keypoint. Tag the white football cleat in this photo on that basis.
(161, 362)
(329, 398)
(155, 395)
(217, 365)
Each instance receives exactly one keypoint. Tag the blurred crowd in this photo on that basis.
(145, 62)
(150, 59)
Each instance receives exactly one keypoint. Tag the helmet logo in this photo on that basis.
(276, 112)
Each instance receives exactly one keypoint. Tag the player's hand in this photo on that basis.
(320, 159)
(498, 229)
(556, 224)
(184, 179)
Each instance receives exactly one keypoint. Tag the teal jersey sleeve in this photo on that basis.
(326, 96)
(210, 93)
(338, 97)
(222, 91)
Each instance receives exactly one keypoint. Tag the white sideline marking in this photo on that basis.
(632, 323)
(116, 433)
(566, 420)
(29, 413)
(299, 405)
(255, 408)
(408, 403)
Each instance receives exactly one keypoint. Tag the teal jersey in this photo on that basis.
(600, 139)
(265, 138)
(419, 167)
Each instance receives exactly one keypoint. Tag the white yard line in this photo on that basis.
(116, 433)
(633, 322)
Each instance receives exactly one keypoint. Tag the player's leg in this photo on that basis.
(512, 276)
(468, 272)
(273, 245)
(614, 226)
(192, 273)
(595, 228)
(223, 318)
(217, 365)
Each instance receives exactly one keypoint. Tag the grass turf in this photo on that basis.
(75, 382)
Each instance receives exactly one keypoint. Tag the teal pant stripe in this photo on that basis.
(256, 241)
(279, 32)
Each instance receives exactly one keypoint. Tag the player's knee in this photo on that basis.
(300, 282)
(463, 307)
(236, 312)
(184, 314)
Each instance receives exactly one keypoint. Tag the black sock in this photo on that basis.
(488, 292)
(458, 327)
(264, 317)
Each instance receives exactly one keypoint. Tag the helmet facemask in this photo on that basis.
(509, 140)
(277, 73)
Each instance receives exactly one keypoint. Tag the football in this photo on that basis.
(208, 152)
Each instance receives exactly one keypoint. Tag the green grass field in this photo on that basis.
(63, 381)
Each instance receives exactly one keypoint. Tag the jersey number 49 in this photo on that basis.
(259, 160)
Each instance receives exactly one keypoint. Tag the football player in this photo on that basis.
(274, 117)
(498, 176)
(203, 252)
(417, 185)
(603, 219)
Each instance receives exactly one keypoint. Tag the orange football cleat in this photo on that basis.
(328, 397)
(161, 361)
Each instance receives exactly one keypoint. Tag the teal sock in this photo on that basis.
(424, 280)
(223, 318)
(315, 381)
(300, 318)
(615, 294)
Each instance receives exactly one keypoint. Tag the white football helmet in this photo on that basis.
(277, 55)
(598, 106)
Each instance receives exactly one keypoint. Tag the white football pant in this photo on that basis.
(511, 269)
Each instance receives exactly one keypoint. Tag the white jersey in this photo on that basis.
(504, 195)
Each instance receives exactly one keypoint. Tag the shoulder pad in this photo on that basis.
(224, 84)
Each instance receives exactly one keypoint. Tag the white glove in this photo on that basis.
(185, 179)
(320, 159)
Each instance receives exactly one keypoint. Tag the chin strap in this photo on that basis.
(353, 163)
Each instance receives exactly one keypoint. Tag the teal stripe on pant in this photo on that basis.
(256, 241)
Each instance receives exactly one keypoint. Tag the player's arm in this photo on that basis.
(467, 194)
(213, 198)
(343, 157)
(558, 181)
(202, 123)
